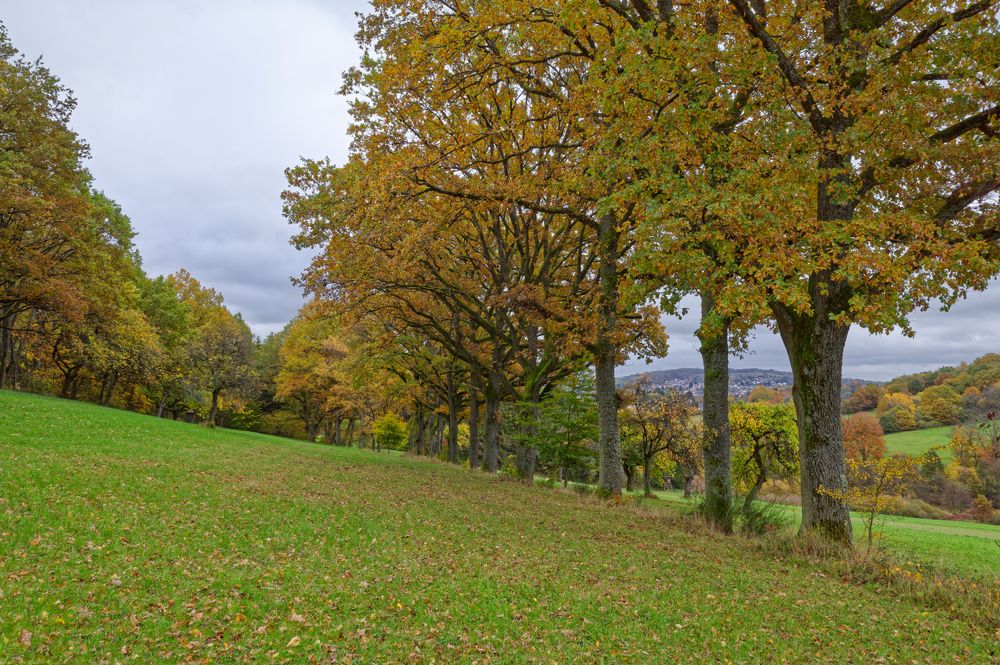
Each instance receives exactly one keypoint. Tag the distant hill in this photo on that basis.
(741, 381)
(983, 374)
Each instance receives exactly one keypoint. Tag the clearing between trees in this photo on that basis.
(130, 538)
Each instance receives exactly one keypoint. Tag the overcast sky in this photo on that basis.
(193, 109)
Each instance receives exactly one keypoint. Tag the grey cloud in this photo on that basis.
(193, 110)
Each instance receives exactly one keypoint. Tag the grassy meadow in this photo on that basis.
(918, 441)
(125, 538)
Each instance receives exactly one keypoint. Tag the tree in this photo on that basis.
(865, 398)
(897, 412)
(221, 352)
(664, 423)
(765, 446)
(311, 373)
(45, 201)
(389, 432)
(863, 437)
(567, 430)
(169, 314)
(767, 394)
(940, 404)
(893, 147)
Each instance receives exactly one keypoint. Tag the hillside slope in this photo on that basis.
(127, 538)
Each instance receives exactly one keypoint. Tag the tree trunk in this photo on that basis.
(526, 454)
(629, 478)
(474, 422)
(757, 484)
(714, 338)
(436, 435)
(215, 407)
(5, 348)
(491, 462)
(452, 418)
(610, 470)
(416, 424)
(815, 347)
(647, 489)
(350, 432)
(66, 390)
(526, 457)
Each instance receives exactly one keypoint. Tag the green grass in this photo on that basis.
(967, 548)
(918, 441)
(125, 538)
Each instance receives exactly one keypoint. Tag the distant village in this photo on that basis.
(691, 381)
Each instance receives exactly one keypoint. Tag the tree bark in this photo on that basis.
(473, 428)
(66, 390)
(688, 480)
(815, 347)
(526, 457)
(629, 478)
(452, 418)
(610, 471)
(214, 409)
(474, 418)
(491, 460)
(647, 489)
(715, 416)
(5, 347)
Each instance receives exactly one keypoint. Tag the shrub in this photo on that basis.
(982, 509)
(889, 422)
(390, 432)
(508, 468)
(873, 485)
(897, 505)
(760, 517)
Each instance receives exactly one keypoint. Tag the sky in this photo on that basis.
(194, 108)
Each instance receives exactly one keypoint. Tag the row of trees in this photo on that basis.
(528, 178)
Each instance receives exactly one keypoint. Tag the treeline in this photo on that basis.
(946, 396)
(532, 184)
